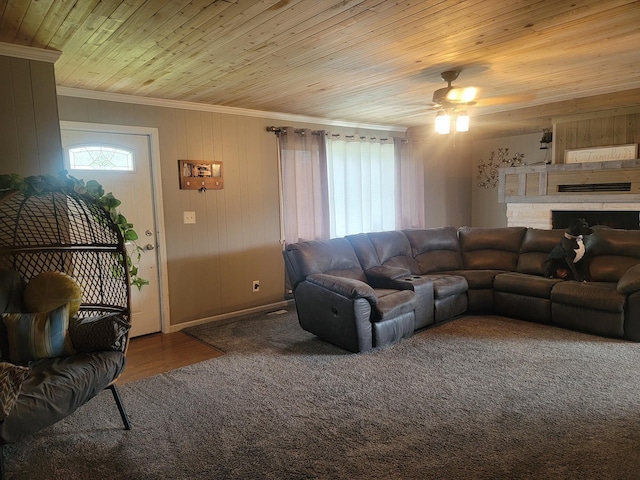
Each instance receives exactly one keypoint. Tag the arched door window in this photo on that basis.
(100, 157)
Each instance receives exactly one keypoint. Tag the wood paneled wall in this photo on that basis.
(29, 133)
(236, 238)
(595, 131)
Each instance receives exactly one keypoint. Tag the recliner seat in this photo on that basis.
(335, 302)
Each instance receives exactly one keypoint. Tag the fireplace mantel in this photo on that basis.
(597, 182)
(533, 191)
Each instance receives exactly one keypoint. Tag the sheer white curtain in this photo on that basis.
(410, 186)
(362, 184)
(305, 204)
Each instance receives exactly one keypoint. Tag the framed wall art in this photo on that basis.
(200, 175)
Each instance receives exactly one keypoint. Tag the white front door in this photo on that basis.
(131, 183)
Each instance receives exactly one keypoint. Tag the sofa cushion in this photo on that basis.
(11, 378)
(526, 285)
(393, 303)
(33, 336)
(56, 387)
(393, 249)
(364, 250)
(490, 248)
(610, 268)
(447, 285)
(535, 249)
(435, 249)
(333, 257)
(592, 295)
(477, 279)
(388, 273)
(611, 252)
(630, 281)
(610, 241)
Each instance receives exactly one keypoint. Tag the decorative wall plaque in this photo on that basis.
(602, 154)
(200, 175)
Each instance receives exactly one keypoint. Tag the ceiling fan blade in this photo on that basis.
(462, 94)
(503, 100)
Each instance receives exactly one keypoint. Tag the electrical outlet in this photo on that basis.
(189, 217)
(256, 285)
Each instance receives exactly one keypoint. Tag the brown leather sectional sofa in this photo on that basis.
(370, 290)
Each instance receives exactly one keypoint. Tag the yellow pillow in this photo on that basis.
(50, 290)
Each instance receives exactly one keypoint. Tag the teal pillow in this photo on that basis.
(33, 336)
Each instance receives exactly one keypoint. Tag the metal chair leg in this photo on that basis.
(123, 413)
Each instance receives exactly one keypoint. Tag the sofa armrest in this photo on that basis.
(385, 276)
(347, 287)
(630, 281)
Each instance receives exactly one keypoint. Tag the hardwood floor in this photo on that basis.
(160, 352)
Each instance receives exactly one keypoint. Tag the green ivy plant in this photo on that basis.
(65, 183)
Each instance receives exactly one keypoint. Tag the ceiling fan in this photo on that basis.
(447, 101)
(452, 103)
(450, 96)
(457, 98)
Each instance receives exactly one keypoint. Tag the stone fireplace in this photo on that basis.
(533, 193)
(540, 215)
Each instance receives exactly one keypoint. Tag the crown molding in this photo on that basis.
(29, 53)
(159, 102)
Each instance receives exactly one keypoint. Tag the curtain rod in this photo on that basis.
(279, 130)
(361, 137)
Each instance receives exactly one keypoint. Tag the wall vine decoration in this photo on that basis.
(488, 172)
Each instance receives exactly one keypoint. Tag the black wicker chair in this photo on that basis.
(68, 233)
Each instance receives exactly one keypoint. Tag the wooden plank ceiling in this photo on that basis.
(363, 61)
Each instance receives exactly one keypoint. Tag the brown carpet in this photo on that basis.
(476, 398)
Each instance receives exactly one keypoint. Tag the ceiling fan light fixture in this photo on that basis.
(443, 123)
(462, 122)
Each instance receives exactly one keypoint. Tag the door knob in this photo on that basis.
(149, 246)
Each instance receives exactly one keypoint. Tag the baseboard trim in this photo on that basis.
(227, 316)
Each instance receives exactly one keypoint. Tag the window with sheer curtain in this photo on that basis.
(362, 185)
(334, 185)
